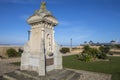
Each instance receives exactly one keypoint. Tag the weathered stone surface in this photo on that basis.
(6, 67)
(87, 75)
(41, 53)
(52, 75)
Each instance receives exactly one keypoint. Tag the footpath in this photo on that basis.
(6, 67)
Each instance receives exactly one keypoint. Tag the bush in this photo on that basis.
(12, 53)
(118, 46)
(20, 50)
(90, 54)
(102, 55)
(91, 51)
(65, 50)
(85, 57)
(104, 49)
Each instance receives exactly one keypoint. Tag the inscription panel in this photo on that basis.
(49, 62)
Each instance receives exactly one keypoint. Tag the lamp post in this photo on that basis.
(71, 44)
(29, 34)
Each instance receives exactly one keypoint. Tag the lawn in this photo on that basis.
(110, 67)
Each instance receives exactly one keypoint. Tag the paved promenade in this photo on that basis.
(6, 67)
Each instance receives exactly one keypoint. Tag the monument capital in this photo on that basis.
(42, 15)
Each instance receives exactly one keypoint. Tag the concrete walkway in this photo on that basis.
(88, 75)
(6, 67)
(68, 54)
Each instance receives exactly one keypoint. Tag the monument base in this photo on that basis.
(37, 63)
(33, 63)
(63, 74)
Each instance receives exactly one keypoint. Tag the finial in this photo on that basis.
(43, 6)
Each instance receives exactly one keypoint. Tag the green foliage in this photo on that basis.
(102, 55)
(94, 52)
(104, 49)
(90, 54)
(12, 53)
(16, 63)
(118, 46)
(20, 50)
(87, 49)
(112, 52)
(110, 67)
(85, 57)
(116, 76)
(65, 50)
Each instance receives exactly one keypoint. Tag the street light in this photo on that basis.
(71, 43)
(29, 34)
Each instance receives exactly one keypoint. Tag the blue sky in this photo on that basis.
(81, 20)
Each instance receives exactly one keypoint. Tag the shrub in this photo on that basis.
(20, 50)
(86, 49)
(12, 53)
(118, 46)
(85, 57)
(104, 49)
(91, 51)
(102, 55)
(65, 50)
(94, 52)
(90, 54)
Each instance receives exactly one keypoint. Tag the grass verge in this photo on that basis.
(110, 67)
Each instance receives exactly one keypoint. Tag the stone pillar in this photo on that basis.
(42, 62)
(53, 43)
(25, 57)
(57, 57)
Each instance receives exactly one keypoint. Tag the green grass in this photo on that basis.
(16, 63)
(110, 67)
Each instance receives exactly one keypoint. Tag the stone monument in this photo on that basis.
(41, 53)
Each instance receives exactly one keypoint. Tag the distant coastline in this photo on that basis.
(14, 45)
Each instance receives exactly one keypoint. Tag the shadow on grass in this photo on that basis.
(16, 63)
(116, 76)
